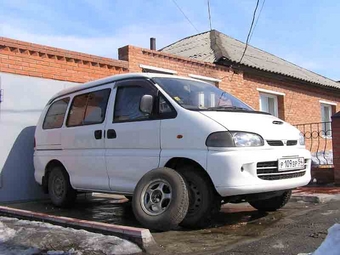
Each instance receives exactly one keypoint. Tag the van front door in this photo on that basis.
(132, 137)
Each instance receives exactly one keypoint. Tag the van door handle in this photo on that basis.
(98, 134)
(111, 134)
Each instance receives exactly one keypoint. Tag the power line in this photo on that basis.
(250, 30)
(179, 8)
(257, 19)
(209, 13)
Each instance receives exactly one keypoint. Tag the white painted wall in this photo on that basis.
(23, 98)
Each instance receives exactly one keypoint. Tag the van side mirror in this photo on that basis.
(146, 104)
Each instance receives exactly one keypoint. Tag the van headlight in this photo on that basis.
(234, 139)
(301, 139)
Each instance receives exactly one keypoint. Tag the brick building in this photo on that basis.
(30, 74)
(263, 81)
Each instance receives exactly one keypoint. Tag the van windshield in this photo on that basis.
(196, 95)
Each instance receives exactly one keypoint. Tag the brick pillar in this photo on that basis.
(336, 146)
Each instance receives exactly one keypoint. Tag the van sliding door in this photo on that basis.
(83, 139)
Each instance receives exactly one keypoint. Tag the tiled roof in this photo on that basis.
(213, 46)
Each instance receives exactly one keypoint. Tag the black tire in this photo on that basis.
(59, 188)
(204, 203)
(150, 205)
(272, 204)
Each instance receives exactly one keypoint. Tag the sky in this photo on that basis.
(304, 32)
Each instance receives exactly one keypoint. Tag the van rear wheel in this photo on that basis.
(160, 200)
(204, 202)
(59, 188)
(272, 204)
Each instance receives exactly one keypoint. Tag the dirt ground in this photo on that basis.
(235, 228)
(234, 225)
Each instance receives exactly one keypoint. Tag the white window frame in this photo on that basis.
(158, 69)
(276, 104)
(205, 78)
(329, 105)
(271, 92)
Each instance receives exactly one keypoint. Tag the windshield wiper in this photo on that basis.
(224, 107)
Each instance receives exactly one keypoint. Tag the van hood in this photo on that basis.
(268, 126)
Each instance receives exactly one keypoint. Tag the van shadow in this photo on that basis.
(119, 211)
(17, 175)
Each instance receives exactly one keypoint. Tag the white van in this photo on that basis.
(178, 147)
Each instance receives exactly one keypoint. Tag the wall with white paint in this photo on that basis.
(23, 99)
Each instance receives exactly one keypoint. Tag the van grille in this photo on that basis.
(282, 176)
(291, 142)
(269, 171)
(280, 142)
(275, 142)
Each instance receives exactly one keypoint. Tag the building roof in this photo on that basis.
(214, 46)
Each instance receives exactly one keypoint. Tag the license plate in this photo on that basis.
(286, 164)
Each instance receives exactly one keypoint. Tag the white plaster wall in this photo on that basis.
(23, 99)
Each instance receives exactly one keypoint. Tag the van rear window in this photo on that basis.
(55, 114)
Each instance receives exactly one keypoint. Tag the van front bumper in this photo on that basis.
(240, 171)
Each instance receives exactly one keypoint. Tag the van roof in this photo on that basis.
(109, 79)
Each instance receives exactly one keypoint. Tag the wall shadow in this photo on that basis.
(17, 175)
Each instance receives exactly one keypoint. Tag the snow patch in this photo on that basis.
(329, 212)
(16, 250)
(107, 244)
(6, 233)
(322, 158)
(331, 245)
(279, 245)
(56, 240)
(62, 252)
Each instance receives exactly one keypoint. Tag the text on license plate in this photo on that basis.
(291, 164)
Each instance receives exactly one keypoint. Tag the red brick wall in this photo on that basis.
(299, 105)
(136, 56)
(301, 100)
(29, 59)
(336, 146)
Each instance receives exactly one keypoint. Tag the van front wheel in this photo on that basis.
(204, 202)
(273, 203)
(59, 188)
(160, 200)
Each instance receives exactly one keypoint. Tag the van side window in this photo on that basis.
(164, 106)
(89, 108)
(55, 114)
(96, 107)
(127, 103)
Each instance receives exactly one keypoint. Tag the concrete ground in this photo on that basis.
(300, 227)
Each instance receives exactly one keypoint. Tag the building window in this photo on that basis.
(326, 114)
(56, 113)
(269, 103)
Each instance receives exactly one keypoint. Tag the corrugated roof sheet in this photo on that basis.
(211, 46)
